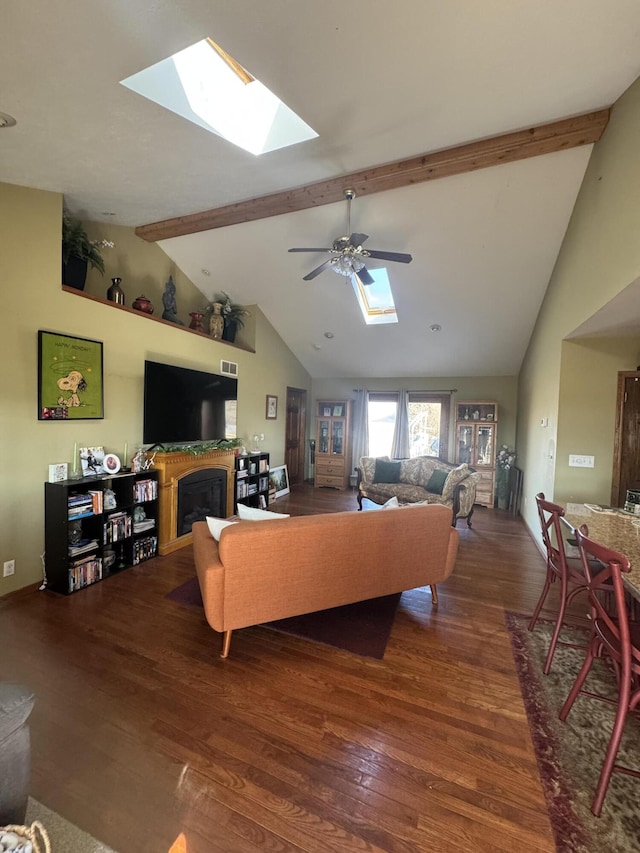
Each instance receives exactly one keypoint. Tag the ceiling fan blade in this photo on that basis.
(317, 270)
(310, 250)
(389, 256)
(365, 277)
(358, 239)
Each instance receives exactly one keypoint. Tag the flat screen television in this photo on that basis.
(183, 405)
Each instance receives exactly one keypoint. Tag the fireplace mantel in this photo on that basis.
(171, 468)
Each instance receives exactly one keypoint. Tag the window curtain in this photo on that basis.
(400, 444)
(360, 425)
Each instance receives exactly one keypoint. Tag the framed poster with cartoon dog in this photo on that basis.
(70, 379)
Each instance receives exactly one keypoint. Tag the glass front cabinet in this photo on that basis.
(476, 429)
(333, 452)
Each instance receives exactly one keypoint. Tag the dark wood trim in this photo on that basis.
(617, 441)
(508, 147)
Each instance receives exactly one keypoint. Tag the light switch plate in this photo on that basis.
(576, 461)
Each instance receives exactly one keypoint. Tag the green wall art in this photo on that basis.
(70, 378)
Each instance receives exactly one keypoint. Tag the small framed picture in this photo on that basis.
(58, 472)
(337, 411)
(111, 463)
(327, 411)
(279, 480)
(272, 407)
(91, 459)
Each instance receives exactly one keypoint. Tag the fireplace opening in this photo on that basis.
(201, 494)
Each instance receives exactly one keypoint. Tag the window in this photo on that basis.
(206, 85)
(428, 423)
(375, 300)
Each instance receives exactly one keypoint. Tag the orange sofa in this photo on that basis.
(266, 570)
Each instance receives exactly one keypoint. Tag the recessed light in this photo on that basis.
(317, 346)
(205, 272)
(436, 327)
(7, 121)
(328, 335)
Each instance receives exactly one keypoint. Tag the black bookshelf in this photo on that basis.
(98, 526)
(252, 480)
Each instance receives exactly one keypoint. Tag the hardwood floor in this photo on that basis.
(140, 732)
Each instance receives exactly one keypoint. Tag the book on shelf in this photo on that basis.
(81, 546)
(147, 524)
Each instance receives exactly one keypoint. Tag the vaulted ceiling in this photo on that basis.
(380, 85)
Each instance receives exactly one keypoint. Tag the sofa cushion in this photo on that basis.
(386, 472)
(437, 481)
(252, 513)
(457, 475)
(392, 503)
(217, 525)
(368, 465)
(417, 471)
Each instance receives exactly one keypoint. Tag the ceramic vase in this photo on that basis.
(196, 321)
(115, 293)
(216, 322)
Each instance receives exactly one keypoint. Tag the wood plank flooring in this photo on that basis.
(141, 733)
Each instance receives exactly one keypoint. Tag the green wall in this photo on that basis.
(599, 258)
(30, 225)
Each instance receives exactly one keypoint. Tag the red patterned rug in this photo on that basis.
(362, 628)
(570, 754)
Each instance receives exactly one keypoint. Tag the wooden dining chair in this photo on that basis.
(613, 635)
(567, 571)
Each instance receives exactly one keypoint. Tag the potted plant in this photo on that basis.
(78, 251)
(232, 313)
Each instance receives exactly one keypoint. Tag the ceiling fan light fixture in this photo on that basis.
(346, 264)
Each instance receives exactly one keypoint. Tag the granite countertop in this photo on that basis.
(618, 531)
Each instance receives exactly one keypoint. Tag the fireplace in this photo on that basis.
(176, 469)
(201, 494)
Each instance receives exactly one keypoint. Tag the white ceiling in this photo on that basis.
(379, 84)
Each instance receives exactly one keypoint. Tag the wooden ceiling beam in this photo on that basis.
(518, 145)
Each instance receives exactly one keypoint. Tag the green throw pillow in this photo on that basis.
(437, 481)
(386, 472)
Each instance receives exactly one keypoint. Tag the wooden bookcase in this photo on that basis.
(252, 480)
(476, 432)
(97, 526)
(333, 443)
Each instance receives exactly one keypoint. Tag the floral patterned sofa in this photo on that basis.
(425, 479)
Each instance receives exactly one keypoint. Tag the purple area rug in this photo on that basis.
(570, 754)
(362, 628)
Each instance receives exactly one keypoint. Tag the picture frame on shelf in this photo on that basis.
(111, 463)
(337, 411)
(70, 378)
(272, 407)
(279, 480)
(327, 412)
(92, 461)
(58, 472)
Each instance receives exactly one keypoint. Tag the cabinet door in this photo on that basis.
(337, 436)
(485, 449)
(324, 433)
(465, 439)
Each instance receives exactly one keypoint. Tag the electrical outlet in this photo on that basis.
(9, 568)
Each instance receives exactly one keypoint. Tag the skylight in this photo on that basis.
(205, 85)
(375, 300)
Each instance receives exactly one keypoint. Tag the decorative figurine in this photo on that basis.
(169, 302)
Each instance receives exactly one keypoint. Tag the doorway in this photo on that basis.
(296, 430)
(626, 449)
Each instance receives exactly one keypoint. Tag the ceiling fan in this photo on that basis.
(348, 255)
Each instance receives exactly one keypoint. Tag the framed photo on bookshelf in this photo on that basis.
(272, 407)
(279, 480)
(337, 411)
(70, 378)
